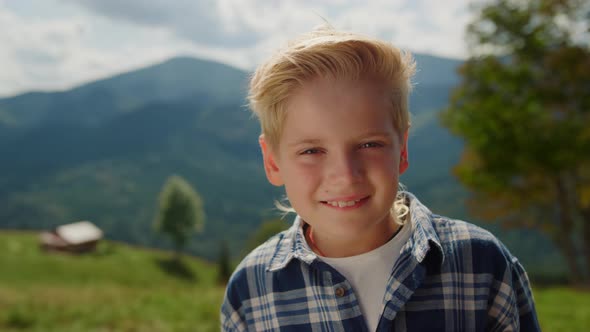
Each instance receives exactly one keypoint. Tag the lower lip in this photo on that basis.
(344, 208)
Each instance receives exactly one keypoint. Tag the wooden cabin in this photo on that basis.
(78, 237)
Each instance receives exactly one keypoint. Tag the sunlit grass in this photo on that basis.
(563, 309)
(121, 288)
(118, 288)
(117, 308)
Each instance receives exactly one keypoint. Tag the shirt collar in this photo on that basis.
(424, 237)
(293, 245)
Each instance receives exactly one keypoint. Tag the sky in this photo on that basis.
(54, 45)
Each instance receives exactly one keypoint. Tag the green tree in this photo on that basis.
(523, 110)
(224, 268)
(180, 212)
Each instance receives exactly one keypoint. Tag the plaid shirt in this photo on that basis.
(451, 276)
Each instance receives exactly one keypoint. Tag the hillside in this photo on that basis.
(124, 288)
(103, 150)
(118, 288)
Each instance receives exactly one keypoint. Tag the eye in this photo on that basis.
(310, 151)
(371, 145)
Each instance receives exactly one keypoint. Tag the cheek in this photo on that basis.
(381, 164)
(304, 171)
(301, 179)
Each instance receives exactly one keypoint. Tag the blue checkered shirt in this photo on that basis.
(450, 276)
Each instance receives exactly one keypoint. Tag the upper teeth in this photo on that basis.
(343, 203)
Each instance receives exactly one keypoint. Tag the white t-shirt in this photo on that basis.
(368, 274)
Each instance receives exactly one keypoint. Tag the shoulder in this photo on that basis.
(246, 284)
(262, 255)
(451, 230)
(260, 258)
(249, 278)
(465, 243)
(487, 266)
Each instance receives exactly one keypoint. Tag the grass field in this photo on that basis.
(118, 288)
(121, 288)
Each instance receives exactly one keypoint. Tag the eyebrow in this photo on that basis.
(314, 141)
(372, 134)
(310, 141)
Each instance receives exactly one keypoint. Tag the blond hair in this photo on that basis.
(341, 55)
(328, 52)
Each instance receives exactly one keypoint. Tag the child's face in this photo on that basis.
(339, 158)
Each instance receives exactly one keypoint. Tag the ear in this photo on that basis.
(404, 163)
(270, 166)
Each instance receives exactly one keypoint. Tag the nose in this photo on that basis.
(345, 169)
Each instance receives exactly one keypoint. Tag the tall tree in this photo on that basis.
(224, 268)
(523, 110)
(180, 212)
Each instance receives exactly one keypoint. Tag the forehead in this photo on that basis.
(327, 108)
(342, 90)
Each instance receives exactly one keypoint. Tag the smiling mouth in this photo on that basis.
(345, 204)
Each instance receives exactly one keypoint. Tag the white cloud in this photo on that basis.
(242, 23)
(207, 21)
(56, 44)
(59, 53)
(30, 49)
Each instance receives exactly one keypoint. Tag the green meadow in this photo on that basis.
(118, 288)
(123, 288)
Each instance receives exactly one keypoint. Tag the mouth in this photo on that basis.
(344, 204)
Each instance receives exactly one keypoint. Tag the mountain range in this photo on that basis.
(103, 150)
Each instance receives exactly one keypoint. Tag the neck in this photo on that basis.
(329, 246)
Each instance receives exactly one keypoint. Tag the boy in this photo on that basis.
(360, 256)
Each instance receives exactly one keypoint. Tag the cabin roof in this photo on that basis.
(79, 232)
